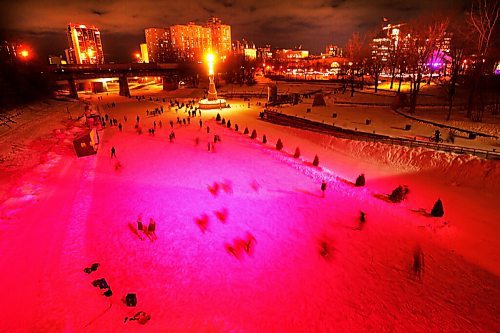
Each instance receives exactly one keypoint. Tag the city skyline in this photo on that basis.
(313, 24)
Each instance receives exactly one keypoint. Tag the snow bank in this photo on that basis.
(465, 170)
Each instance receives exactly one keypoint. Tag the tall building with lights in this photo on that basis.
(221, 36)
(85, 46)
(159, 45)
(190, 41)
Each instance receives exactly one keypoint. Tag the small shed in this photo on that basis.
(87, 143)
(319, 100)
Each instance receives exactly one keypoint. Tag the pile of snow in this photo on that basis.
(464, 169)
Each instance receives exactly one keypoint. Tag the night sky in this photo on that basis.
(281, 23)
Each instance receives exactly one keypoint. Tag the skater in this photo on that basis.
(362, 220)
(139, 223)
(323, 188)
(171, 124)
(201, 123)
(418, 263)
(208, 129)
(120, 127)
(113, 152)
(189, 121)
(137, 118)
(151, 225)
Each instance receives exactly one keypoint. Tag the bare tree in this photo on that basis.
(482, 20)
(422, 42)
(353, 50)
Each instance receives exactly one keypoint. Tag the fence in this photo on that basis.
(306, 124)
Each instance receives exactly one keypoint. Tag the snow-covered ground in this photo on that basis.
(59, 214)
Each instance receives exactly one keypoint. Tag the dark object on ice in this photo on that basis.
(108, 293)
(472, 135)
(264, 139)
(113, 152)
(308, 110)
(407, 127)
(201, 123)
(223, 122)
(236, 128)
(208, 129)
(360, 181)
(437, 210)
(184, 121)
(172, 124)
(362, 217)
(229, 124)
(334, 115)
(254, 134)
(131, 299)
(217, 118)
(316, 160)
(101, 283)
(279, 145)
(297, 153)
(325, 250)
(141, 317)
(139, 224)
(92, 268)
(368, 121)
(246, 131)
(399, 193)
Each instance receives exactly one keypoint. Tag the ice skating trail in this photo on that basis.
(188, 281)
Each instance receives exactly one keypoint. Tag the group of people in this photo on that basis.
(150, 230)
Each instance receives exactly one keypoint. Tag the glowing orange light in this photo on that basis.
(24, 53)
(137, 55)
(210, 60)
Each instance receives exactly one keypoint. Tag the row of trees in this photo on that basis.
(419, 47)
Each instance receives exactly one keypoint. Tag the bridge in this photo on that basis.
(170, 73)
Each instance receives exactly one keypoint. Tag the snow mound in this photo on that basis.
(462, 169)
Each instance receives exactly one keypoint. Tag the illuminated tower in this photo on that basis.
(85, 46)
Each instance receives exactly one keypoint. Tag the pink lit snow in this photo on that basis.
(59, 214)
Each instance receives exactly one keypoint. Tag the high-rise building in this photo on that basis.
(144, 53)
(159, 45)
(85, 46)
(221, 36)
(190, 41)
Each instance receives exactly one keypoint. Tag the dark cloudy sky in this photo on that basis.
(282, 23)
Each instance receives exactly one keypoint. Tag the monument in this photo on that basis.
(212, 101)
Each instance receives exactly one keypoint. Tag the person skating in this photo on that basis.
(120, 127)
(323, 188)
(152, 228)
(137, 118)
(201, 123)
(113, 152)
